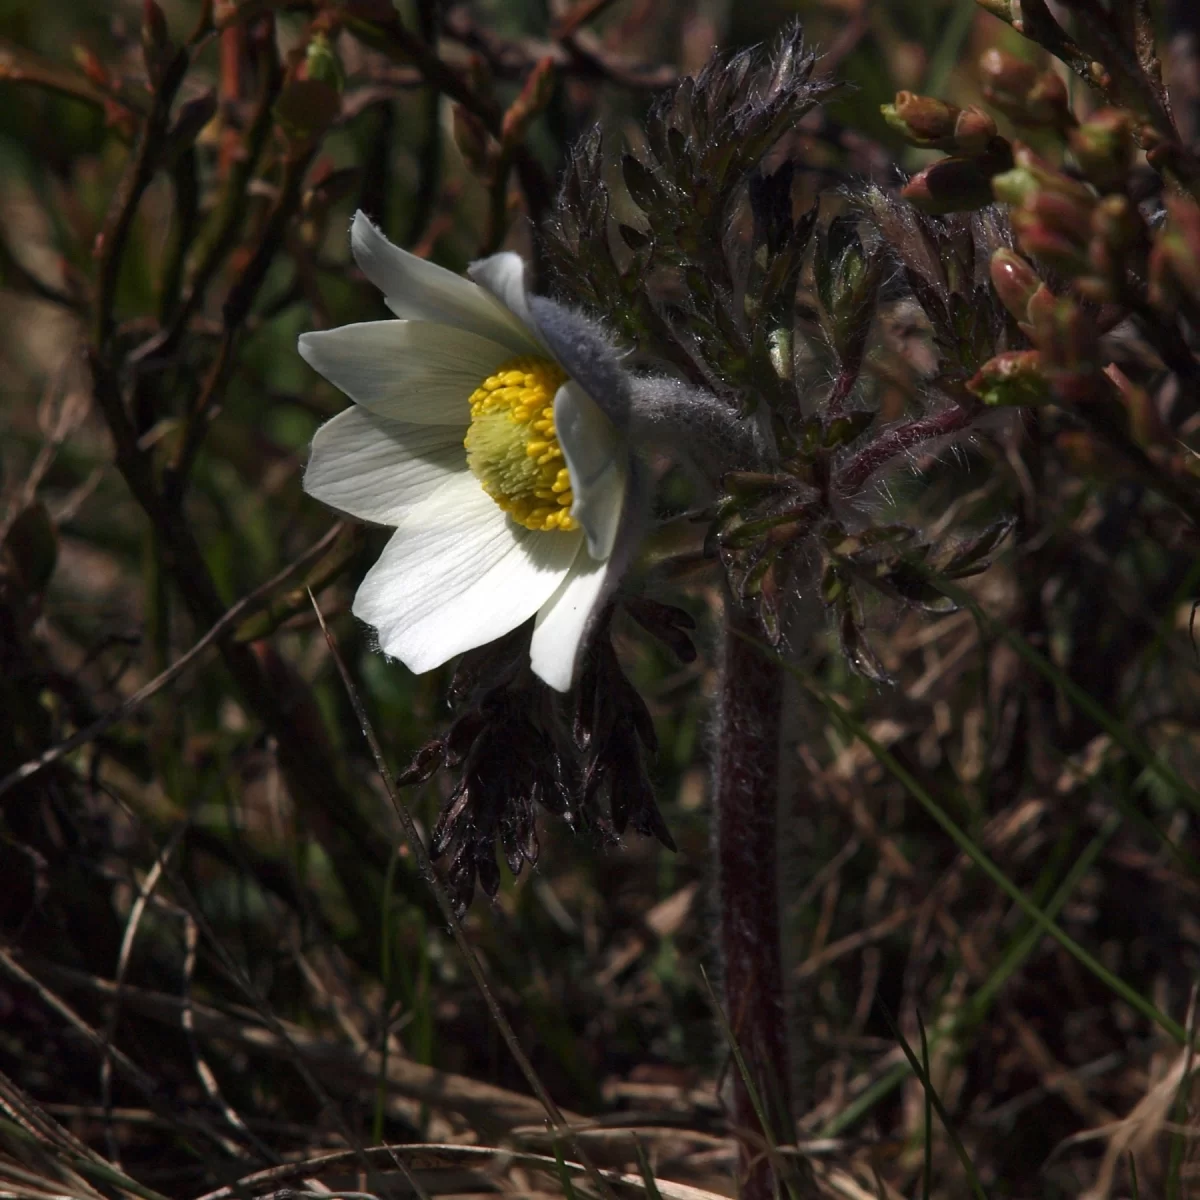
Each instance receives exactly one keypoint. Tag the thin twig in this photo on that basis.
(238, 976)
(16, 272)
(138, 173)
(243, 608)
(222, 232)
(487, 1104)
(19, 64)
(436, 1156)
(425, 866)
(132, 924)
(579, 14)
(188, 1021)
(129, 1069)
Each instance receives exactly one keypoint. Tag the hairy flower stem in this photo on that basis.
(745, 847)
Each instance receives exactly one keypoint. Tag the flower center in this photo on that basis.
(512, 447)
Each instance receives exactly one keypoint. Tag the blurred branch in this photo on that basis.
(507, 58)
(138, 172)
(234, 313)
(430, 174)
(13, 271)
(21, 65)
(579, 14)
(572, 53)
(220, 237)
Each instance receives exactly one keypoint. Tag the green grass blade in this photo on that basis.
(977, 1005)
(385, 1004)
(928, 1172)
(950, 46)
(1023, 946)
(932, 1098)
(853, 727)
(647, 1172)
(777, 1163)
(564, 1176)
(1116, 729)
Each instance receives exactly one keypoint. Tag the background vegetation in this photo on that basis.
(220, 961)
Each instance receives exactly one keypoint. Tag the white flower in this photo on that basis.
(485, 431)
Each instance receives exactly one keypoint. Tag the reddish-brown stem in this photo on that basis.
(843, 385)
(895, 441)
(745, 847)
(232, 43)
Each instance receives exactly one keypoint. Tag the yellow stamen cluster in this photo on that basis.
(512, 446)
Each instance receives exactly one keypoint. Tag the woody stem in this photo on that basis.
(746, 838)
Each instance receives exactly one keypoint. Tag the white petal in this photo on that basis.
(598, 462)
(458, 574)
(414, 371)
(422, 291)
(376, 469)
(563, 620)
(503, 275)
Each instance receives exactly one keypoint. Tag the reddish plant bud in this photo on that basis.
(1146, 424)
(1069, 342)
(952, 185)
(1041, 306)
(935, 125)
(1004, 74)
(533, 97)
(1117, 222)
(1017, 378)
(1032, 176)
(156, 43)
(1103, 147)
(974, 131)
(1014, 280)
(1063, 333)
(922, 120)
(1175, 258)
(1116, 231)
(1048, 104)
(1027, 96)
(1050, 247)
(1064, 214)
(1051, 213)
(90, 64)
